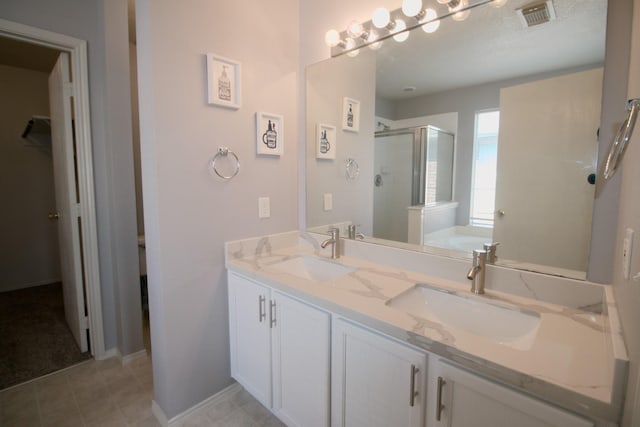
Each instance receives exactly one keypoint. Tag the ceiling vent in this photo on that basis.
(537, 13)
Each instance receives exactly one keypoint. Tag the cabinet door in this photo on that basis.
(376, 381)
(301, 362)
(250, 336)
(468, 400)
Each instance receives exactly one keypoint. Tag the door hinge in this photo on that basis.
(84, 322)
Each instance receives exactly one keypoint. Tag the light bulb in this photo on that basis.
(400, 26)
(411, 8)
(460, 15)
(430, 27)
(498, 3)
(373, 44)
(355, 29)
(350, 44)
(332, 38)
(381, 17)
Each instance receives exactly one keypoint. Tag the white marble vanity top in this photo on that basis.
(577, 358)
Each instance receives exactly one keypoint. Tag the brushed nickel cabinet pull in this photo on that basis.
(439, 405)
(262, 312)
(272, 312)
(412, 386)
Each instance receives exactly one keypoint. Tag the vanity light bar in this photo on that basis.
(346, 44)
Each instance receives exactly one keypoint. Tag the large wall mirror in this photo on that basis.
(485, 130)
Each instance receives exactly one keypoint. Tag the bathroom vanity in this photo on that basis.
(385, 336)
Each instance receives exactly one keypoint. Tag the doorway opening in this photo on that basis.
(52, 253)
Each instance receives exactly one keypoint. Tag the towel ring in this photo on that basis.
(619, 144)
(224, 152)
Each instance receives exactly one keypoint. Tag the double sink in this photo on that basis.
(502, 323)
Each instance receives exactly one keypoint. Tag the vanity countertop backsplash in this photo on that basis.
(575, 355)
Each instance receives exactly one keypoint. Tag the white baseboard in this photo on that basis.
(18, 286)
(107, 354)
(125, 360)
(178, 419)
(159, 414)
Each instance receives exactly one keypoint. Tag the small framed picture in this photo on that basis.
(326, 143)
(269, 134)
(350, 114)
(223, 81)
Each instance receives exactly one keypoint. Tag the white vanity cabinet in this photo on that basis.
(458, 398)
(280, 351)
(375, 380)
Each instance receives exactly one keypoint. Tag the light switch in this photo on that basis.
(328, 201)
(264, 208)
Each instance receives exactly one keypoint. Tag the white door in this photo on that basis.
(375, 381)
(67, 200)
(467, 400)
(301, 362)
(250, 336)
(547, 148)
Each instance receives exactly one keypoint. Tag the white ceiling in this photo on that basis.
(492, 45)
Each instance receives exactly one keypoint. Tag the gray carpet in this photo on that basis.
(34, 337)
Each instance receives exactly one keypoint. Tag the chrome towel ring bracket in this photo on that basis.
(225, 152)
(619, 144)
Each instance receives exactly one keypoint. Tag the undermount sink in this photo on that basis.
(313, 268)
(506, 325)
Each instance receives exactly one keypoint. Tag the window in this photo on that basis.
(485, 161)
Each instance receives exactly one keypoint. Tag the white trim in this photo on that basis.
(159, 414)
(19, 286)
(125, 360)
(183, 416)
(107, 354)
(77, 50)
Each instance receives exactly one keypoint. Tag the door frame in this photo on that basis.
(77, 50)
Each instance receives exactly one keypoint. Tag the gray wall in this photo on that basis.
(466, 102)
(189, 212)
(327, 83)
(29, 243)
(103, 24)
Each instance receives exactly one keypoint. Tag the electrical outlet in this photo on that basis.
(264, 208)
(328, 201)
(627, 247)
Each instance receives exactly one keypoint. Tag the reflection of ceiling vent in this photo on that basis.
(537, 13)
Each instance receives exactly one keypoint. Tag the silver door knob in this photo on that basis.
(53, 216)
(500, 212)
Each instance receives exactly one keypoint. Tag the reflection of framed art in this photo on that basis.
(223, 81)
(350, 114)
(326, 144)
(269, 134)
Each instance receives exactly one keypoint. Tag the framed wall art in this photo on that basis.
(350, 114)
(326, 143)
(223, 81)
(269, 134)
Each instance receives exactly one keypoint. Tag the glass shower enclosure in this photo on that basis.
(412, 167)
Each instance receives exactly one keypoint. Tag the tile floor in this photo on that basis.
(105, 393)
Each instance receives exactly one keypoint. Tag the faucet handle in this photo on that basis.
(491, 249)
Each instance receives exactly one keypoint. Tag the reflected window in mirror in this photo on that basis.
(485, 163)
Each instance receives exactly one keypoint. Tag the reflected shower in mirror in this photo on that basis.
(522, 108)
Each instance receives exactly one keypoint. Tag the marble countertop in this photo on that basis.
(576, 360)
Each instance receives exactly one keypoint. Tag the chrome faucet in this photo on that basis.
(353, 232)
(334, 241)
(476, 273)
(491, 249)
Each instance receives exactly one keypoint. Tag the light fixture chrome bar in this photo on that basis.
(395, 14)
